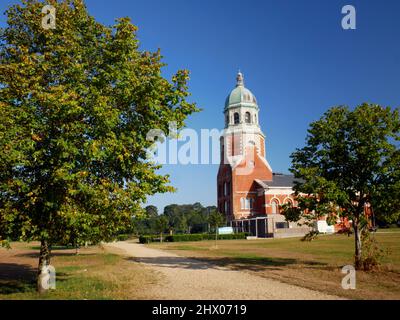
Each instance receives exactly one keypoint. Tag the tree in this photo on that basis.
(216, 219)
(151, 211)
(143, 224)
(76, 104)
(176, 218)
(195, 221)
(351, 159)
(186, 218)
(161, 224)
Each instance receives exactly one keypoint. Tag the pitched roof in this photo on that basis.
(278, 180)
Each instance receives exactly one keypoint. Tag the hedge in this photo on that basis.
(123, 237)
(192, 237)
(148, 239)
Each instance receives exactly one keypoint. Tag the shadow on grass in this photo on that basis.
(21, 278)
(234, 263)
(55, 248)
(15, 278)
(55, 254)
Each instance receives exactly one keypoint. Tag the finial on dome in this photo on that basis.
(239, 79)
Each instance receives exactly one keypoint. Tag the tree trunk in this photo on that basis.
(357, 239)
(161, 237)
(216, 237)
(44, 262)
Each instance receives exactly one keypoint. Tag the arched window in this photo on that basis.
(247, 117)
(289, 201)
(274, 206)
(227, 120)
(236, 118)
(255, 119)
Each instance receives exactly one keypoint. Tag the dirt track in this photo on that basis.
(185, 278)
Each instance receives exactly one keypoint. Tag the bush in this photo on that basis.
(371, 253)
(148, 239)
(191, 237)
(123, 237)
(235, 236)
(204, 236)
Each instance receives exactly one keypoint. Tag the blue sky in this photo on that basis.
(295, 56)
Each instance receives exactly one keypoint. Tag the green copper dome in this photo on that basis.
(240, 95)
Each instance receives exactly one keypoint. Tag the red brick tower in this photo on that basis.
(242, 156)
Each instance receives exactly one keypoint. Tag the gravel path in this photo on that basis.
(184, 278)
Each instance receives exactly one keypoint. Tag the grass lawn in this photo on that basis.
(314, 265)
(95, 273)
(390, 230)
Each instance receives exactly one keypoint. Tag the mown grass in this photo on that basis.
(315, 265)
(93, 274)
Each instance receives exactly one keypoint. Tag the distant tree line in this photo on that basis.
(186, 218)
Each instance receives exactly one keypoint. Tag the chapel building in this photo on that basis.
(249, 192)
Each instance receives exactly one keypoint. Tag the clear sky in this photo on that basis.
(295, 56)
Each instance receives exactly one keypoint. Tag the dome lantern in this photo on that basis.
(240, 80)
(240, 95)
